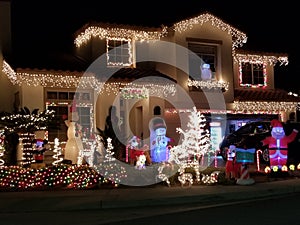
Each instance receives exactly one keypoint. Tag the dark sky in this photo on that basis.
(44, 28)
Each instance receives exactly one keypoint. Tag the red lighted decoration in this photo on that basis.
(278, 144)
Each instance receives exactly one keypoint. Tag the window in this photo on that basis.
(60, 101)
(60, 130)
(157, 110)
(208, 54)
(119, 52)
(252, 74)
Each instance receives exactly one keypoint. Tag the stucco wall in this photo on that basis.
(32, 97)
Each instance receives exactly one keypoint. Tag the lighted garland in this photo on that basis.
(22, 121)
(135, 93)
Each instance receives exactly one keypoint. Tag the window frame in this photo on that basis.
(119, 49)
(83, 100)
(255, 75)
(204, 43)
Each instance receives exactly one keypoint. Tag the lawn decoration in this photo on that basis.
(231, 166)
(162, 176)
(134, 150)
(184, 177)
(245, 157)
(39, 149)
(211, 178)
(159, 149)
(74, 144)
(278, 145)
(141, 162)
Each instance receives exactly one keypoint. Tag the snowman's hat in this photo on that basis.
(158, 123)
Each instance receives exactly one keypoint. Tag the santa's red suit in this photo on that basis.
(278, 144)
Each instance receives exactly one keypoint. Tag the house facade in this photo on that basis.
(147, 72)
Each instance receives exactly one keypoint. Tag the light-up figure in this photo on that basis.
(206, 72)
(158, 140)
(74, 144)
(278, 144)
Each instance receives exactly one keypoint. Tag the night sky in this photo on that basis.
(45, 29)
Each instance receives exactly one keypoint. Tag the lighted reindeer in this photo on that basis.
(161, 176)
(185, 177)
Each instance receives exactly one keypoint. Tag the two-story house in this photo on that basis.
(162, 71)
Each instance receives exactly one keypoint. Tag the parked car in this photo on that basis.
(251, 134)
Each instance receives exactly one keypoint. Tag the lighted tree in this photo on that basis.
(195, 142)
(111, 169)
(57, 152)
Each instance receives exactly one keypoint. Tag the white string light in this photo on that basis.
(239, 38)
(104, 33)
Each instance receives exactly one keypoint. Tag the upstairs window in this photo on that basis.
(253, 74)
(208, 54)
(119, 52)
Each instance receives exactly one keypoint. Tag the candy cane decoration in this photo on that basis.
(245, 177)
(257, 159)
(244, 172)
(127, 146)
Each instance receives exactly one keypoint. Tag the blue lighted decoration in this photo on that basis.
(158, 141)
(245, 155)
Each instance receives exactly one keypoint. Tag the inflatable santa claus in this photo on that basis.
(278, 144)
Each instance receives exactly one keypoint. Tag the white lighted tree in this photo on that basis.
(57, 152)
(110, 169)
(195, 144)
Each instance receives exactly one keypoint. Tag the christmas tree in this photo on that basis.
(196, 140)
(111, 169)
(57, 152)
(195, 144)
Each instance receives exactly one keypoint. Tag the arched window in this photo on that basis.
(157, 110)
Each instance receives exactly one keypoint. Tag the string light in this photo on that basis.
(261, 59)
(138, 93)
(75, 177)
(209, 84)
(68, 79)
(2, 148)
(109, 32)
(239, 38)
(264, 84)
(267, 107)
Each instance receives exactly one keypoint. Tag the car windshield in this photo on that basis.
(246, 129)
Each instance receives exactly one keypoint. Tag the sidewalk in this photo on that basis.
(125, 197)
